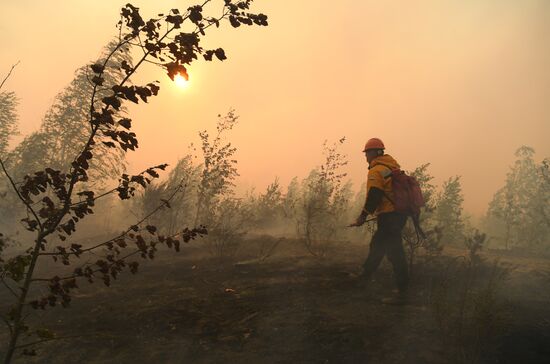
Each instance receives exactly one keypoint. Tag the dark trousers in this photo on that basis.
(387, 240)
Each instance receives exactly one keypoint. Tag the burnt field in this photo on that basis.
(293, 308)
(198, 182)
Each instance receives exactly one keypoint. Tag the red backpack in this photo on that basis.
(407, 197)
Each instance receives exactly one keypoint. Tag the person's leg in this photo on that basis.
(395, 250)
(376, 254)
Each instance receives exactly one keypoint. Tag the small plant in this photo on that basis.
(519, 215)
(448, 212)
(321, 209)
(229, 222)
(268, 206)
(218, 167)
(184, 177)
(431, 245)
(465, 304)
(262, 247)
(228, 218)
(267, 246)
(427, 248)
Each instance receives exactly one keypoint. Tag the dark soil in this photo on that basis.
(189, 308)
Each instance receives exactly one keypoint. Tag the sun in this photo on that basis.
(181, 81)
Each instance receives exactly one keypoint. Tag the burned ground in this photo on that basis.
(291, 308)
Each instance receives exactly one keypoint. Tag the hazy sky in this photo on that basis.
(458, 83)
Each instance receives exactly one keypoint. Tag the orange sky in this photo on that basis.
(457, 83)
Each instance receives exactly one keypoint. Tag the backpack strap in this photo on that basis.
(388, 167)
(388, 176)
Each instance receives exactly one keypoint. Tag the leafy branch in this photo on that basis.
(54, 190)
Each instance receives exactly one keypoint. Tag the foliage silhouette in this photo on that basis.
(518, 215)
(64, 128)
(321, 207)
(57, 201)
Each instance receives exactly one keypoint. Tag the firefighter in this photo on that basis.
(387, 239)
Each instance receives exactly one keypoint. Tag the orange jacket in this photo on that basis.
(379, 169)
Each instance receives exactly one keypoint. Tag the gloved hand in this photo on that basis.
(360, 221)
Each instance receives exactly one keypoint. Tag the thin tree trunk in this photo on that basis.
(17, 319)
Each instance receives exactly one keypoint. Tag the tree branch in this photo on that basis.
(28, 205)
(141, 221)
(50, 339)
(9, 74)
(8, 287)
(7, 323)
(96, 197)
(94, 271)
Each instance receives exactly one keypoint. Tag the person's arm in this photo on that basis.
(375, 193)
(374, 198)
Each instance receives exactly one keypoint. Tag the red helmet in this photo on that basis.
(374, 143)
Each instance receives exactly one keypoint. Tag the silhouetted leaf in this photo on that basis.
(220, 54)
(97, 68)
(126, 123)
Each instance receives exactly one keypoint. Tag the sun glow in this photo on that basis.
(181, 81)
